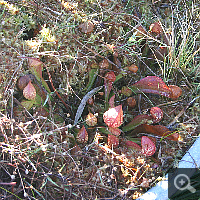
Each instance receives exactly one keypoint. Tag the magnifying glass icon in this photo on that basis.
(180, 180)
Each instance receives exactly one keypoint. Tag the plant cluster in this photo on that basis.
(98, 98)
